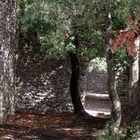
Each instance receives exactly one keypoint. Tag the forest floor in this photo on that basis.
(64, 126)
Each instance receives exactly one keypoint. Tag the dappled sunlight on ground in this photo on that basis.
(50, 127)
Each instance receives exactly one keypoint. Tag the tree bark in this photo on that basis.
(74, 84)
(75, 79)
(133, 91)
(7, 57)
(116, 105)
(83, 67)
(111, 83)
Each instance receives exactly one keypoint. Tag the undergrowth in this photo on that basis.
(129, 131)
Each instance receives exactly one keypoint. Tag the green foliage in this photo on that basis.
(96, 47)
(109, 134)
(133, 130)
(71, 47)
(55, 22)
(97, 64)
(120, 13)
(121, 10)
(121, 58)
(77, 18)
(128, 132)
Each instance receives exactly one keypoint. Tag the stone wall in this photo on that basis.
(42, 83)
(96, 80)
(96, 76)
(43, 86)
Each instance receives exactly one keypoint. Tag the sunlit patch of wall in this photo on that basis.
(43, 86)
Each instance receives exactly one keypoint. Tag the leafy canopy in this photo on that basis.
(57, 22)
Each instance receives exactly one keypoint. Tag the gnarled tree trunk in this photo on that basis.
(7, 45)
(74, 81)
(111, 85)
(133, 88)
(74, 84)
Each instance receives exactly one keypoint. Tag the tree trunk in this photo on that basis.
(83, 67)
(7, 44)
(111, 83)
(134, 97)
(74, 84)
(116, 105)
(75, 79)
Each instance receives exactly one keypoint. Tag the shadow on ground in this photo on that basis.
(64, 126)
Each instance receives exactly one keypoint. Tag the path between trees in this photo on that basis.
(63, 126)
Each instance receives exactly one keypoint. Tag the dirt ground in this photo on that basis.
(64, 126)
